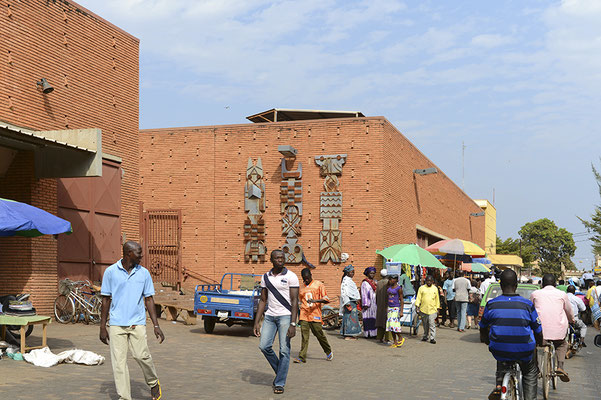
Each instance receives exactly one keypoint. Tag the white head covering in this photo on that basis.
(383, 272)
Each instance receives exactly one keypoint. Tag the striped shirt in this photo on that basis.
(512, 322)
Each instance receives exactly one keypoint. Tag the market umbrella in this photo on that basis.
(474, 267)
(21, 219)
(410, 254)
(457, 247)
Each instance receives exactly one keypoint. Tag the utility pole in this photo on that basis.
(463, 166)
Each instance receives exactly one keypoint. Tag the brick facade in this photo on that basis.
(93, 67)
(201, 170)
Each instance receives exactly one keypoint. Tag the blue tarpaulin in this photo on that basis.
(21, 219)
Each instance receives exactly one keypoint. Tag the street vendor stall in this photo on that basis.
(23, 323)
(20, 219)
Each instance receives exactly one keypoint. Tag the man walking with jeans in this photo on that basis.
(279, 290)
(461, 286)
(511, 328)
(312, 296)
(126, 288)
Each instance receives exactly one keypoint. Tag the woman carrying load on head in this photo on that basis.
(369, 307)
(349, 297)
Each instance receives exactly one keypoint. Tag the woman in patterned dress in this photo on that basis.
(368, 303)
(395, 310)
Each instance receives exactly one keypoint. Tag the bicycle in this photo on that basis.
(512, 388)
(547, 366)
(73, 303)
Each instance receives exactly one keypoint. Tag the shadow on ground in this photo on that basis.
(139, 390)
(256, 378)
(235, 331)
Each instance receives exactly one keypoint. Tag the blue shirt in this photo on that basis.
(127, 292)
(448, 286)
(512, 322)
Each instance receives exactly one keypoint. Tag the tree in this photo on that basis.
(594, 224)
(513, 246)
(551, 245)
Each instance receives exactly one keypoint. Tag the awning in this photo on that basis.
(58, 154)
(506, 260)
(286, 114)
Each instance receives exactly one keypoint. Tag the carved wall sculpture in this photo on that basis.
(330, 210)
(291, 205)
(254, 206)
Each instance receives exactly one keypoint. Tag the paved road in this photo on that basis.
(228, 364)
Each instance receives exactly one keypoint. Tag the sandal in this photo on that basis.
(160, 394)
(278, 389)
(562, 375)
(495, 394)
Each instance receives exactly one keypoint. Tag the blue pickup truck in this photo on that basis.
(230, 306)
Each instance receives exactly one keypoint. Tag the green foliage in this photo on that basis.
(551, 245)
(512, 246)
(594, 224)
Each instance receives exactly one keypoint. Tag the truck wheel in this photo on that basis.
(209, 324)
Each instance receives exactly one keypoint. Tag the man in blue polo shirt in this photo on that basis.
(126, 289)
(511, 328)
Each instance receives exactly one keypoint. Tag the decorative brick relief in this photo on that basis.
(254, 206)
(291, 205)
(330, 207)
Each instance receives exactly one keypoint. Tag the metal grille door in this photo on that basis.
(162, 251)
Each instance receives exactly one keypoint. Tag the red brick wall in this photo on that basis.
(93, 67)
(432, 201)
(202, 171)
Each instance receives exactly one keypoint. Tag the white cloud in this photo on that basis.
(490, 41)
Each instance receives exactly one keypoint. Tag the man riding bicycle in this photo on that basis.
(511, 328)
(555, 312)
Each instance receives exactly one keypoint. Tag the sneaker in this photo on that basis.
(433, 341)
(298, 361)
(424, 339)
(330, 356)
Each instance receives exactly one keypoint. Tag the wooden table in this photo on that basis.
(24, 322)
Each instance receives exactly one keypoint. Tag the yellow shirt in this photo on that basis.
(428, 299)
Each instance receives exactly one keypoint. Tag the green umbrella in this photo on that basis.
(474, 267)
(410, 254)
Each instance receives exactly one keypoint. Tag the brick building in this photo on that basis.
(72, 151)
(201, 171)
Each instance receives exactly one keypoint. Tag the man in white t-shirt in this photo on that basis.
(486, 283)
(279, 291)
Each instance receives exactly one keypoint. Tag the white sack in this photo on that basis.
(45, 358)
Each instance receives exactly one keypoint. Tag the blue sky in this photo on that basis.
(517, 81)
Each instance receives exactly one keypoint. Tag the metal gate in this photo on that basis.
(93, 206)
(162, 245)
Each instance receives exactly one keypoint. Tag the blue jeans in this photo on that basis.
(271, 326)
(461, 314)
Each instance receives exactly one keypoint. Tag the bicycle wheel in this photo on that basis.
(512, 393)
(546, 373)
(93, 314)
(554, 377)
(64, 309)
